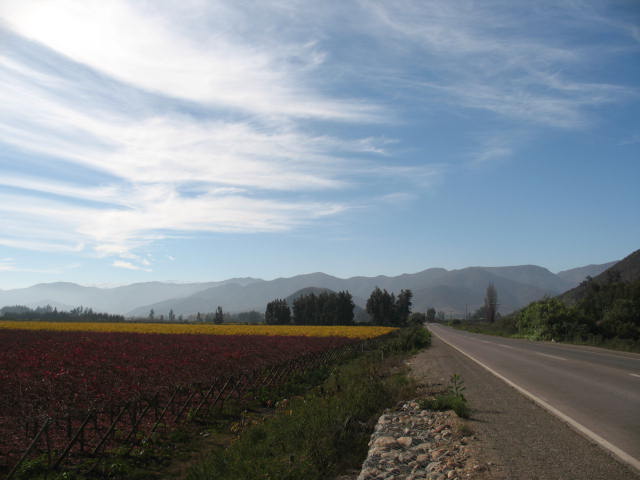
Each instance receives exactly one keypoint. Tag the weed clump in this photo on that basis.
(452, 399)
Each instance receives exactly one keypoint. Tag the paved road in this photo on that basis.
(596, 389)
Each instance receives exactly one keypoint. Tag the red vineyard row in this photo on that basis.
(64, 375)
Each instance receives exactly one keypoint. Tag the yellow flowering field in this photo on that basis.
(208, 329)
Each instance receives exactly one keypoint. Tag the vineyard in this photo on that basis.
(74, 393)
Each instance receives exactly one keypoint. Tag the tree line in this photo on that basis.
(330, 308)
(52, 314)
(326, 308)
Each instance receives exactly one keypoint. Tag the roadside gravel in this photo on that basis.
(516, 438)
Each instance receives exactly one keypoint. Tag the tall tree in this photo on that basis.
(381, 307)
(345, 308)
(277, 313)
(431, 315)
(403, 307)
(219, 316)
(491, 303)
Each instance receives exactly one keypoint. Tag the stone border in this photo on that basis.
(410, 443)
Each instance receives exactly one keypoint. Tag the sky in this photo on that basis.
(203, 140)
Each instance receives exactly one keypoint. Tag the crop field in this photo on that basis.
(207, 329)
(72, 392)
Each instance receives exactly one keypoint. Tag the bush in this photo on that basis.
(622, 320)
(411, 338)
(550, 319)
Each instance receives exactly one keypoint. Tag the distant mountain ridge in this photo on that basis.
(453, 291)
(577, 275)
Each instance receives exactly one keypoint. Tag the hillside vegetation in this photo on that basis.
(604, 310)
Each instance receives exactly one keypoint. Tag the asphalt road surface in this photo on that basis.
(596, 391)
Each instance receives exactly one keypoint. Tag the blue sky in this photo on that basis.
(201, 140)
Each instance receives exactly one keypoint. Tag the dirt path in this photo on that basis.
(518, 439)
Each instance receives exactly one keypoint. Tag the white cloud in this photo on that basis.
(166, 173)
(127, 265)
(7, 265)
(145, 44)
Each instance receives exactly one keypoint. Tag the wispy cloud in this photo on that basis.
(631, 140)
(232, 157)
(146, 45)
(10, 265)
(128, 265)
(140, 121)
(483, 59)
(7, 265)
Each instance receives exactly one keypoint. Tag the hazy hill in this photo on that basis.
(626, 270)
(450, 290)
(576, 275)
(118, 300)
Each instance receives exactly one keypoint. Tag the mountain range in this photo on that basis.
(452, 291)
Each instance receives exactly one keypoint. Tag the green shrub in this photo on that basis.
(452, 399)
(447, 401)
(409, 339)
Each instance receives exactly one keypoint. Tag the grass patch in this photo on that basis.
(326, 431)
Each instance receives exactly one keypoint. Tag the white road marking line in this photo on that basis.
(484, 341)
(634, 375)
(550, 356)
(506, 346)
(618, 452)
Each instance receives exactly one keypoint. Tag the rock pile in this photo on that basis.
(410, 443)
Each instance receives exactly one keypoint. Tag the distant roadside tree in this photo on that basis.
(480, 315)
(219, 316)
(417, 318)
(344, 308)
(152, 314)
(403, 307)
(380, 306)
(431, 315)
(327, 308)
(491, 303)
(248, 317)
(277, 313)
(385, 309)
